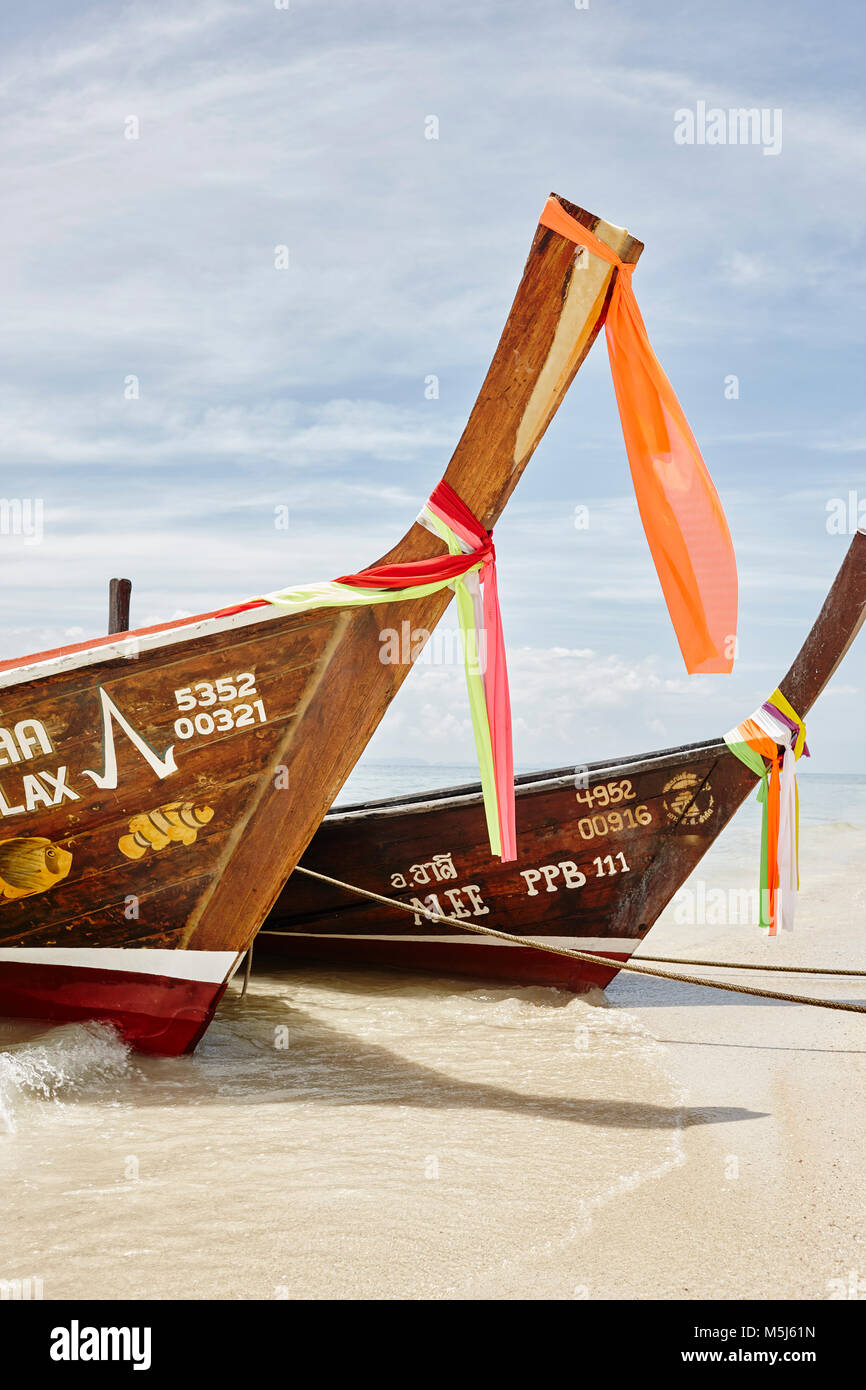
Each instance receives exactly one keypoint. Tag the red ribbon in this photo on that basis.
(408, 573)
(451, 508)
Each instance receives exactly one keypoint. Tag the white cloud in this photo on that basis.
(155, 257)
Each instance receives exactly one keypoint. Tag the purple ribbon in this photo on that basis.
(795, 728)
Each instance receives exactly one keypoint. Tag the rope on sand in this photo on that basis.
(584, 955)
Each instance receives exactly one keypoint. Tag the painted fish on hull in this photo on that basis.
(176, 822)
(31, 865)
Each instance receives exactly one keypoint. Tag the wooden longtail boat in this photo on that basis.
(602, 849)
(157, 788)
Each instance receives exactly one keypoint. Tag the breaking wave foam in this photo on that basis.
(59, 1064)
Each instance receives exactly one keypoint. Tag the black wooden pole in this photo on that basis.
(119, 591)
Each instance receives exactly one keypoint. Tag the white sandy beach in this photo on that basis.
(388, 1137)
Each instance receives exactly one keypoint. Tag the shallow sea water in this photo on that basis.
(352, 1137)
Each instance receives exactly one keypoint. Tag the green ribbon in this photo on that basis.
(756, 764)
(331, 594)
(474, 686)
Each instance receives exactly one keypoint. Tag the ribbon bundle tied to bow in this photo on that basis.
(680, 509)
(776, 732)
(470, 569)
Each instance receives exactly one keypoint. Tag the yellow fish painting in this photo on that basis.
(30, 866)
(178, 821)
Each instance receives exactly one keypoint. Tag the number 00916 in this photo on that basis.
(589, 828)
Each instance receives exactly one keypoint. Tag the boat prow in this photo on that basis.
(158, 787)
(603, 848)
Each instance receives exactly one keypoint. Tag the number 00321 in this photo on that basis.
(221, 721)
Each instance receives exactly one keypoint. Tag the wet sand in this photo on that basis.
(767, 1202)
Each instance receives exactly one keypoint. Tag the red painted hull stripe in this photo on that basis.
(487, 962)
(154, 1013)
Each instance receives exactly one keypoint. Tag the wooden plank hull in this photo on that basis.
(157, 789)
(586, 846)
(602, 849)
(141, 805)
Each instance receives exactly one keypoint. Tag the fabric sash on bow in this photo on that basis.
(470, 569)
(776, 732)
(680, 509)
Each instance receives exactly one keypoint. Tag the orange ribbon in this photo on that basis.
(680, 509)
(761, 742)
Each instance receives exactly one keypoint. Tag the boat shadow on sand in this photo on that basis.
(325, 1065)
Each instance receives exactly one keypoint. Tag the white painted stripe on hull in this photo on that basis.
(207, 966)
(622, 945)
(131, 645)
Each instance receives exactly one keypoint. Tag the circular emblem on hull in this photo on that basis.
(684, 803)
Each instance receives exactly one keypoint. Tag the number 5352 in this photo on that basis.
(224, 689)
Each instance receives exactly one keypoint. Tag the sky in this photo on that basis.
(165, 387)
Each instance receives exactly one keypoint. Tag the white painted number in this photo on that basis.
(224, 689)
(566, 870)
(602, 872)
(222, 720)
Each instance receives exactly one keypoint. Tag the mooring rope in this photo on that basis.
(579, 955)
(751, 965)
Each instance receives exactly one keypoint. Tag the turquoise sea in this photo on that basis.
(824, 797)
